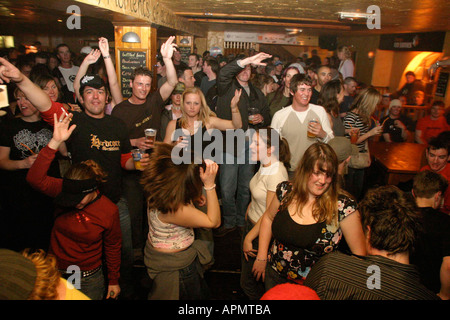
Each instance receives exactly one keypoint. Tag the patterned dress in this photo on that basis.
(295, 247)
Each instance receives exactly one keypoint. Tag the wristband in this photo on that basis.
(106, 57)
(209, 189)
(261, 259)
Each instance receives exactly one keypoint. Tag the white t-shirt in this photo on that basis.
(346, 68)
(293, 125)
(69, 76)
(266, 179)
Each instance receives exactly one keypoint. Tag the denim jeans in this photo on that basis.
(92, 286)
(134, 194)
(252, 288)
(127, 256)
(354, 182)
(192, 284)
(273, 278)
(234, 181)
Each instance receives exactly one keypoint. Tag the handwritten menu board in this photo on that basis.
(441, 86)
(185, 52)
(128, 61)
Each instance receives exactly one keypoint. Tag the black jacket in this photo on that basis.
(226, 87)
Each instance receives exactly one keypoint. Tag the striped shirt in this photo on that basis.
(354, 121)
(337, 276)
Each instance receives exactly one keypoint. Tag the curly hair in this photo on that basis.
(392, 218)
(48, 276)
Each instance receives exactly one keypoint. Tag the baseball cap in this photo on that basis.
(277, 63)
(91, 80)
(395, 103)
(86, 50)
(343, 148)
(17, 276)
(179, 88)
(73, 191)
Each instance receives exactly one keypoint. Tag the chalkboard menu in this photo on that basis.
(441, 86)
(185, 52)
(128, 61)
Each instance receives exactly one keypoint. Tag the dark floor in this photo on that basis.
(222, 278)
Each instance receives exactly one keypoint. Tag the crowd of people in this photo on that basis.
(86, 183)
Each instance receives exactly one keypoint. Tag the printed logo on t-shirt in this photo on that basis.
(143, 121)
(104, 145)
(28, 142)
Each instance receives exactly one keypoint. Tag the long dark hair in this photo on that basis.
(328, 97)
(272, 138)
(279, 93)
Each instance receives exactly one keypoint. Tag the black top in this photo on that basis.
(432, 246)
(104, 141)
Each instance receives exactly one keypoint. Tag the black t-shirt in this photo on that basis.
(395, 132)
(26, 214)
(104, 141)
(314, 96)
(139, 117)
(433, 244)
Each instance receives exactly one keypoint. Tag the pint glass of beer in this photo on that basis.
(309, 133)
(150, 135)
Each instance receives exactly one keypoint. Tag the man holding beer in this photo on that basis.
(302, 123)
(142, 116)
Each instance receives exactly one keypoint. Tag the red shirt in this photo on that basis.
(446, 173)
(431, 128)
(80, 236)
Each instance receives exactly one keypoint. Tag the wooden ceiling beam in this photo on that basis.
(272, 23)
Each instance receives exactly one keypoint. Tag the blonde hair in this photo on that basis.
(204, 113)
(346, 51)
(366, 102)
(47, 275)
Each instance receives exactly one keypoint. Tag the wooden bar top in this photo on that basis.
(402, 157)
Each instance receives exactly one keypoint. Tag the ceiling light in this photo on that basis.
(131, 37)
(354, 15)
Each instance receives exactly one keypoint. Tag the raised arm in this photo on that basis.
(37, 175)
(114, 86)
(167, 49)
(38, 98)
(236, 119)
(91, 58)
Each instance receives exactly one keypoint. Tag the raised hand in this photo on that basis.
(9, 72)
(168, 47)
(93, 56)
(257, 59)
(235, 100)
(104, 46)
(61, 130)
(208, 175)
